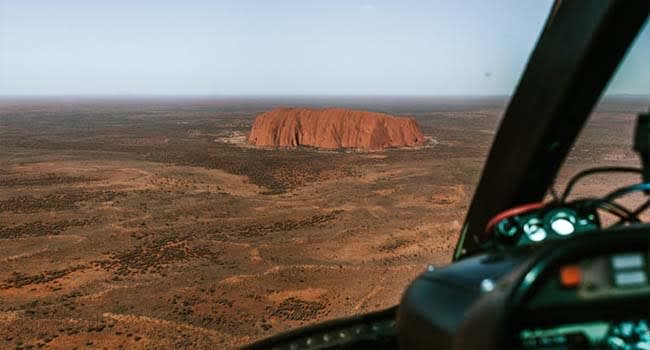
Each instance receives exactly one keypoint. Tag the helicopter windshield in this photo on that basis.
(197, 174)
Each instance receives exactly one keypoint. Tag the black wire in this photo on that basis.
(592, 171)
(644, 186)
(623, 213)
(642, 208)
(553, 193)
(632, 216)
(613, 208)
(635, 213)
(597, 203)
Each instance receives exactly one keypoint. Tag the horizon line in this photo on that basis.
(144, 95)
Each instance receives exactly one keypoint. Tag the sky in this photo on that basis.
(283, 47)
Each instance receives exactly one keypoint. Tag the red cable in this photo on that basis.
(511, 212)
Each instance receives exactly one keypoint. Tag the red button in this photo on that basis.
(570, 276)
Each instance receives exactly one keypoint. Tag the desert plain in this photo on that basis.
(149, 222)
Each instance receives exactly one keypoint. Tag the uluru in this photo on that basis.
(333, 128)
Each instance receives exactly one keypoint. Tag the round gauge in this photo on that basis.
(507, 228)
(534, 230)
(562, 221)
(562, 226)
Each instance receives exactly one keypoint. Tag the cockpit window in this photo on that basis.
(198, 174)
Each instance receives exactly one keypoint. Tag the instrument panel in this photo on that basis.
(622, 335)
(597, 278)
(617, 275)
(538, 226)
(608, 278)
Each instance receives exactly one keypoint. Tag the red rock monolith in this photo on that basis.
(333, 128)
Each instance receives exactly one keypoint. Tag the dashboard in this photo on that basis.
(618, 335)
(537, 226)
(611, 282)
(607, 277)
(588, 292)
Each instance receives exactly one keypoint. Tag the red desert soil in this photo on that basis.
(333, 128)
(144, 224)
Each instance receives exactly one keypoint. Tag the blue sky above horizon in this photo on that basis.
(285, 47)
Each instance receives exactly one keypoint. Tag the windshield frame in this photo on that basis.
(577, 54)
